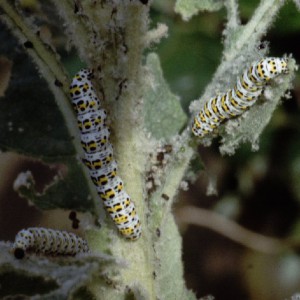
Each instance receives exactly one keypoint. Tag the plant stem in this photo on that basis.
(255, 28)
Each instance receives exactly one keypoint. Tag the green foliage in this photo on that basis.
(164, 116)
(37, 121)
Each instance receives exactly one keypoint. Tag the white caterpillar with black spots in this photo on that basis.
(48, 241)
(247, 90)
(99, 156)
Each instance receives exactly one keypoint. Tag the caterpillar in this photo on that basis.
(48, 241)
(248, 88)
(98, 156)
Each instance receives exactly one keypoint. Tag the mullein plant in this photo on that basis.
(150, 135)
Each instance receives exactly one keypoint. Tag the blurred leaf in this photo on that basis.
(279, 274)
(288, 21)
(68, 192)
(190, 54)
(188, 8)
(164, 116)
(31, 123)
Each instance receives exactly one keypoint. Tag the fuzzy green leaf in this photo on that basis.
(164, 116)
(189, 8)
(56, 278)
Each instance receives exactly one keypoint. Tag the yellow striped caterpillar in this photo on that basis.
(48, 241)
(248, 88)
(99, 156)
